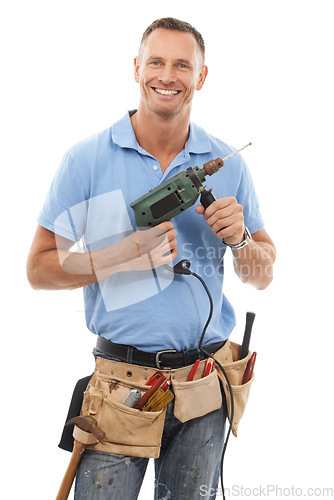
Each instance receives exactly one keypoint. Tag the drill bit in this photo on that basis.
(212, 166)
(235, 152)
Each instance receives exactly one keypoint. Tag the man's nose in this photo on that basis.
(167, 74)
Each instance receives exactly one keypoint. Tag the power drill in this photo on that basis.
(176, 194)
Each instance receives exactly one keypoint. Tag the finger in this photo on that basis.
(171, 245)
(231, 231)
(165, 248)
(166, 259)
(171, 234)
(164, 227)
(227, 222)
(200, 209)
(220, 204)
(152, 238)
(226, 216)
(158, 260)
(222, 214)
(168, 240)
(160, 233)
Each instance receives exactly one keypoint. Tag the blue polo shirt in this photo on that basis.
(89, 202)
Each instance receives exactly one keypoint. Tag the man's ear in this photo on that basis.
(136, 69)
(202, 76)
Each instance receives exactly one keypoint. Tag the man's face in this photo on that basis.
(169, 71)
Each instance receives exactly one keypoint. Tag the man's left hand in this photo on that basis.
(226, 219)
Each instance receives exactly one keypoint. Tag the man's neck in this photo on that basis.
(162, 138)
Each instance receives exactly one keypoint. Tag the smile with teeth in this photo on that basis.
(166, 92)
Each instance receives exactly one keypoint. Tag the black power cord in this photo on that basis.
(183, 267)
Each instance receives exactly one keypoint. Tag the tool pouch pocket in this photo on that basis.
(197, 398)
(128, 431)
(234, 369)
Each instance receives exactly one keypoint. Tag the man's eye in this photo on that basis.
(155, 63)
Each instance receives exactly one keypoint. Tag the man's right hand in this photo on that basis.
(148, 248)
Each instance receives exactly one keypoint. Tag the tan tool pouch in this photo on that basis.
(129, 431)
(234, 367)
(198, 397)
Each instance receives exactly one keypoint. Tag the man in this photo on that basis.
(130, 298)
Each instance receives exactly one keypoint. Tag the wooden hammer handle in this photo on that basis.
(67, 482)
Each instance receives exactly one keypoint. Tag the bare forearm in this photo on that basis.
(59, 269)
(254, 263)
(47, 273)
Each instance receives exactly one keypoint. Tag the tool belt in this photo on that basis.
(134, 432)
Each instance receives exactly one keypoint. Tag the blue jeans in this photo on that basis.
(188, 466)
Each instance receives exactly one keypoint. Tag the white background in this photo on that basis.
(66, 74)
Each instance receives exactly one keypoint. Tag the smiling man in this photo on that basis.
(147, 320)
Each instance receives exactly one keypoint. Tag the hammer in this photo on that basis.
(87, 424)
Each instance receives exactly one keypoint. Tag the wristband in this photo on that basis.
(91, 262)
(137, 244)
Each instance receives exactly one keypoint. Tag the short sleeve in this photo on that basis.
(247, 197)
(65, 207)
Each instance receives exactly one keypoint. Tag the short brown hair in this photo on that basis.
(170, 23)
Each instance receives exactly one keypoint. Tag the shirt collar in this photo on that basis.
(123, 135)
(198, 140)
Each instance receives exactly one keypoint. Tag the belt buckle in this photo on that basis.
(157, 358)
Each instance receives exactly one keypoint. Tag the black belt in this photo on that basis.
(169, 358)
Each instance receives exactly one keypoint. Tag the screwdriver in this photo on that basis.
(160, 398)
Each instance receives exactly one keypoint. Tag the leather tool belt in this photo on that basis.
(134, 432)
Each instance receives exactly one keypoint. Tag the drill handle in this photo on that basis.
(207, 198)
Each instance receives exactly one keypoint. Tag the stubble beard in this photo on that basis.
(166, 114)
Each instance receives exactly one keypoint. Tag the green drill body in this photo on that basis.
(168, 199)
